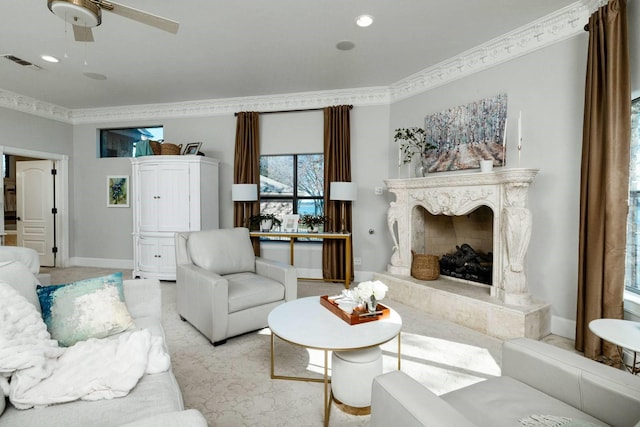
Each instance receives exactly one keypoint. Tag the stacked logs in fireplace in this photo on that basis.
(468, 264)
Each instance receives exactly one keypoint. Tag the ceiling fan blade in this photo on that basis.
(82, 34)
(141, 16)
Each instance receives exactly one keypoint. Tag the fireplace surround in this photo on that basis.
(505, 309)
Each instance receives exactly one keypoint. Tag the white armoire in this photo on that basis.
(170, 194)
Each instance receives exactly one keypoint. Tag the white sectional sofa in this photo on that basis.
(538, 381)
(156, 400)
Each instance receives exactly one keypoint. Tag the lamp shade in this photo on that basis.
(343, 191)
(244, 192)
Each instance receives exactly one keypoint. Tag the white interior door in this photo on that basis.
(34, 194)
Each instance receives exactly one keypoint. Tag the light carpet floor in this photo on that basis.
(231, 385)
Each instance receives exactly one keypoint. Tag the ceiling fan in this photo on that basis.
(85, 14)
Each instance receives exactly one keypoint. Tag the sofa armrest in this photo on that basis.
(280, 272)
(202, 298)
(143, 297)
(574, 379)
(187, 418)
(397, 399)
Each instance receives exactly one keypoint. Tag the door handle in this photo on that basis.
(18, 218)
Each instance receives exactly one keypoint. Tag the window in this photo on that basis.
(292, 184)
(122, 142)
(632, 274)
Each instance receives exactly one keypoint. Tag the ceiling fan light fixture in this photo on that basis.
(82, 13)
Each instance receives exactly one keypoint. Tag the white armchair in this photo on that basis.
(222, 288)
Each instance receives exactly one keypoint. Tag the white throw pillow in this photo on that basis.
(21, 279)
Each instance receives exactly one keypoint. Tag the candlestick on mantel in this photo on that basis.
(504, 143)
(519, 136)
(519, 130)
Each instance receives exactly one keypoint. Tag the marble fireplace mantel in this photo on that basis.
(503, 191)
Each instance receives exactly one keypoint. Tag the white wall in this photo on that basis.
(54, 140)
(547, 86)
(103, 235)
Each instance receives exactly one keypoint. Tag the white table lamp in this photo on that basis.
(344, 192)
(244, 193)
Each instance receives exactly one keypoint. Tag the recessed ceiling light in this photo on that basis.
(345, 45)
(50, 58)
(364, 20)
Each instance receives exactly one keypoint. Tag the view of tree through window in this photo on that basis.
(292, 184)
(632, 276)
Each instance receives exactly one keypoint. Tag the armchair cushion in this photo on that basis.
(222, 251)
(515, 399)
(247, 290)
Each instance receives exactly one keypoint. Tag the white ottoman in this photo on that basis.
(352, 374)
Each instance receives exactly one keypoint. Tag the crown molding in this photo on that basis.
(213, 107)
(553, 28)
(25, 104)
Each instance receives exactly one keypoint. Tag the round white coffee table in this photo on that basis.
(622, 333)
(305, 322)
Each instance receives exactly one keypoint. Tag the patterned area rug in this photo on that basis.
(231, 385)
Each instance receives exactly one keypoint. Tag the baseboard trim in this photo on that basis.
(563, 327)
(125, 264)
(316, 273)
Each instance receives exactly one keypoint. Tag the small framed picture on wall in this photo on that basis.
(118, 191)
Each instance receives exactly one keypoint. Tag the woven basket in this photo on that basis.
(155, 147)
(425, 267)
(170, 149)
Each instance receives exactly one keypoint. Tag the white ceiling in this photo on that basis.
(227, 49)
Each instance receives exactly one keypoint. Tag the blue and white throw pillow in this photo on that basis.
(90, 308)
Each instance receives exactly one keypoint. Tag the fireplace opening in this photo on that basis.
(468, 264)
(463, 243)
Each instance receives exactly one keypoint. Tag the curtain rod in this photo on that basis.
(293, 111)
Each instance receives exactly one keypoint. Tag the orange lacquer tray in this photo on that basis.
(357, 316)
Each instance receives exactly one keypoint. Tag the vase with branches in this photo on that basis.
(413, 141)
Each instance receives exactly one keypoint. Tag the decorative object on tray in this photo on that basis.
(370, 293)
(352, 316)
(264, 222)
(313, 222)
